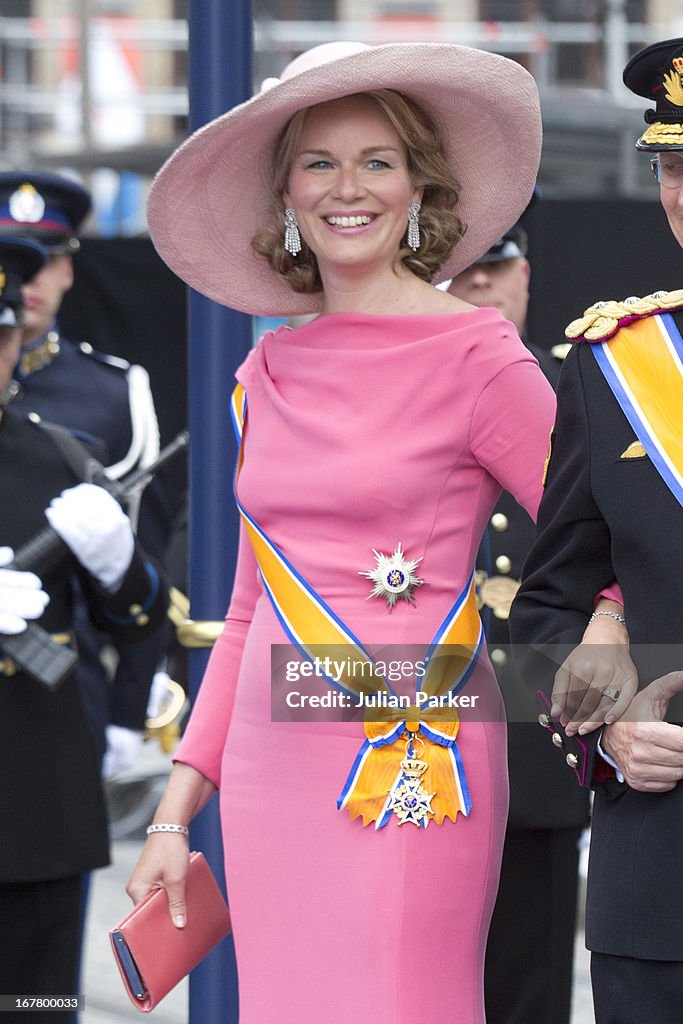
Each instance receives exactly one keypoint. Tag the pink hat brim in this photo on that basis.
(213, 194)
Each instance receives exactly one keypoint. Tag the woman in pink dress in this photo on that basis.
(362, 851)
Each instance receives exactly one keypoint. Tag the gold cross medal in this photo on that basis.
(394, 577)
(408, 799)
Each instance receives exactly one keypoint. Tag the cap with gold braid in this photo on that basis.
(656, 73)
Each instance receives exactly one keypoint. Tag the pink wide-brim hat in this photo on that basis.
(214, 193)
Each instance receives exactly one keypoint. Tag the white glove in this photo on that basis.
(123, 747)
(21, 596)
(157, 693)
(97, 530)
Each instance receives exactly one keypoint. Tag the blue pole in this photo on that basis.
(220, 50)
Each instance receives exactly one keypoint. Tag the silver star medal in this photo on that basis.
(394, 576)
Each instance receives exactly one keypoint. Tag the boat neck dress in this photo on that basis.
(363, 432)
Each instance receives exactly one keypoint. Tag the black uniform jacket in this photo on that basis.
(51, 801)
(81, 390)
(543, 794)
(89, 393)
(602, 516)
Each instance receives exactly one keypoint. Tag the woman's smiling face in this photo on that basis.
(349, 184)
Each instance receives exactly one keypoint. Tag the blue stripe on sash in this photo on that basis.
(640, 427)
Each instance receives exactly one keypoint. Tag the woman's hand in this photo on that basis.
(598, 681)
(165, 858)
(163, 864)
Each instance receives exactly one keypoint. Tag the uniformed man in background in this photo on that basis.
(54, 826)
(529, 955)
(103, 399)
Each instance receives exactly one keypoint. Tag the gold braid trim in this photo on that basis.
(603, 319)
(663, 134)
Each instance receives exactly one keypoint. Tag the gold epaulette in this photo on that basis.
(603, 319)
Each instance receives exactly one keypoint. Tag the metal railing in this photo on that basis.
(117, 84)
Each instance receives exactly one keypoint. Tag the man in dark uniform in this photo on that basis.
(102, 398)
(54, 826)
(614, 504)
(530, 949)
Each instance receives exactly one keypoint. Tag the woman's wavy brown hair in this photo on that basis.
(440, 227)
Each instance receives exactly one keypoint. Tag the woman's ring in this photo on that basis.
(610, 692)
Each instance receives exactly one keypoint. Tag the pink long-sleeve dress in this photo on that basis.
(364, 431)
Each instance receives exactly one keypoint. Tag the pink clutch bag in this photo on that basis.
(152, 954)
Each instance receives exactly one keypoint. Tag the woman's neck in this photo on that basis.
(357, 290)
(392, 292)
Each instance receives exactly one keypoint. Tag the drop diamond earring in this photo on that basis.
(414, 226)
(292, 236)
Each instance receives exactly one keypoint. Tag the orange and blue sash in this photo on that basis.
(643, 366)
(312, 626)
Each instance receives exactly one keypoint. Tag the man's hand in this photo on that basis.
(97, 530)
(123, 747)
(21, 596)
(648, 750)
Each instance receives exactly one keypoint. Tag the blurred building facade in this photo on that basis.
(99, 86)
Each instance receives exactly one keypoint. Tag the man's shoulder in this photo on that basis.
(78, 374)
(29, 441)
(90, 358)
(79, 391)
(604, 319)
